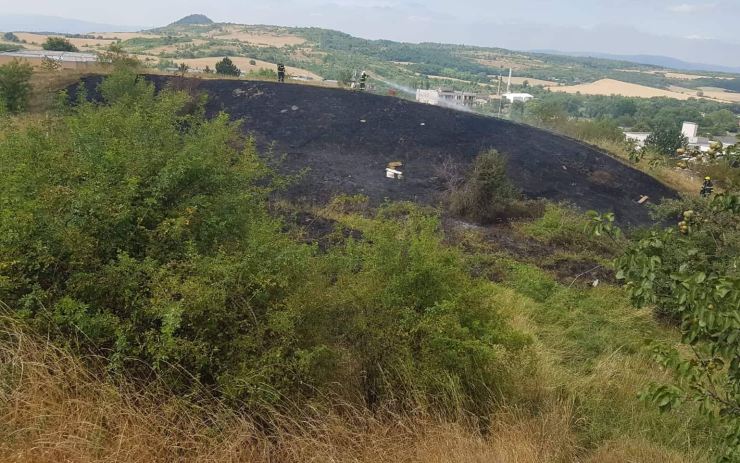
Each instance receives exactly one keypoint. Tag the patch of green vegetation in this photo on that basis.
(563, 226)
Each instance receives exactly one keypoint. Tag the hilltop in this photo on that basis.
(193, 19)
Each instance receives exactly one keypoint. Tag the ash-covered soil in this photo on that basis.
(347, 138)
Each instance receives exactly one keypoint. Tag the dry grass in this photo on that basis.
(244, 65)
(532, 81)
(710, 92)
(265, 40)
(54, 409)
(38, 39)
(681, 180)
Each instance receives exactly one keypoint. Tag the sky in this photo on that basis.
(705, 31)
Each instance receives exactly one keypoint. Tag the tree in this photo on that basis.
(517, 109)
(666, 140)
(15, 85)
(252, 62)
(720, 122)
(11, 37)
(227, 67)
(58, 44)
(117, 57)
(548, 112)
(690, 275)
(208, 70)
(182, 69)
(487, 193)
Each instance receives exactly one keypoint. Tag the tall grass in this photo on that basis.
(53, 408)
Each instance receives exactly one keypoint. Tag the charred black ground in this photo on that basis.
(347, 138)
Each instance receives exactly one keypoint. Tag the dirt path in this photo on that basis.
(347, 138)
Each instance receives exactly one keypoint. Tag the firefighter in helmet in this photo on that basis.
(708, 187)
(281, 72)
(363, 81)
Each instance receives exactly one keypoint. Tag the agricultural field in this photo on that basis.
(608, 87)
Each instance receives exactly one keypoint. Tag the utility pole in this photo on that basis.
(508, 85)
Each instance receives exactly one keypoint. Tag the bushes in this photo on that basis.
(666, 140)
(15, 86)
(141, 231)
(58, 44)
(563, 226)
(398, 312)
(486, 194)
(227, 67)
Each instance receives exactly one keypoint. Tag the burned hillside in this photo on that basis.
(346, 139)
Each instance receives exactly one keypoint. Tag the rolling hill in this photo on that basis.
(346, 139)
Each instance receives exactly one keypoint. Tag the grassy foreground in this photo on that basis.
(575, 397)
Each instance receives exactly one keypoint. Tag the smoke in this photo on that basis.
(412, 92)
(398, 87)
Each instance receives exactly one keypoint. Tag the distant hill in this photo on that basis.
(39, 23)
(653, 60)
(192, 20)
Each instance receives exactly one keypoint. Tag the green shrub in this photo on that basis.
(666, 140)
(486, 194)
(11, 37)
(401, 318)
(58, 44)
(227, 67)
(15, 85)
(262, 73)
(561, 225)
(140, 229)
(125, 86)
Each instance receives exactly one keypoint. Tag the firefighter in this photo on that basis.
(363, 81)
(708, 187)
(281, 72)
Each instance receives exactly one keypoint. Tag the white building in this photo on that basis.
(690, 130)
(444, 97)
(638, 137)
(523, 97)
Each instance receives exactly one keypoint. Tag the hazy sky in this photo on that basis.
(614, 26)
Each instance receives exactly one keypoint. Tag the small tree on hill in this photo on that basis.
(487, 193)
(11, 37)
(15, 86)
(117, 57)
(58, 44)
(227, 67)
(666, 140)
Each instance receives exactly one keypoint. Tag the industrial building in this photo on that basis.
(68, 59)
(523, 97)
(445, 97)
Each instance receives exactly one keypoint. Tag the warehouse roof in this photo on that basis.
(67, 56)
